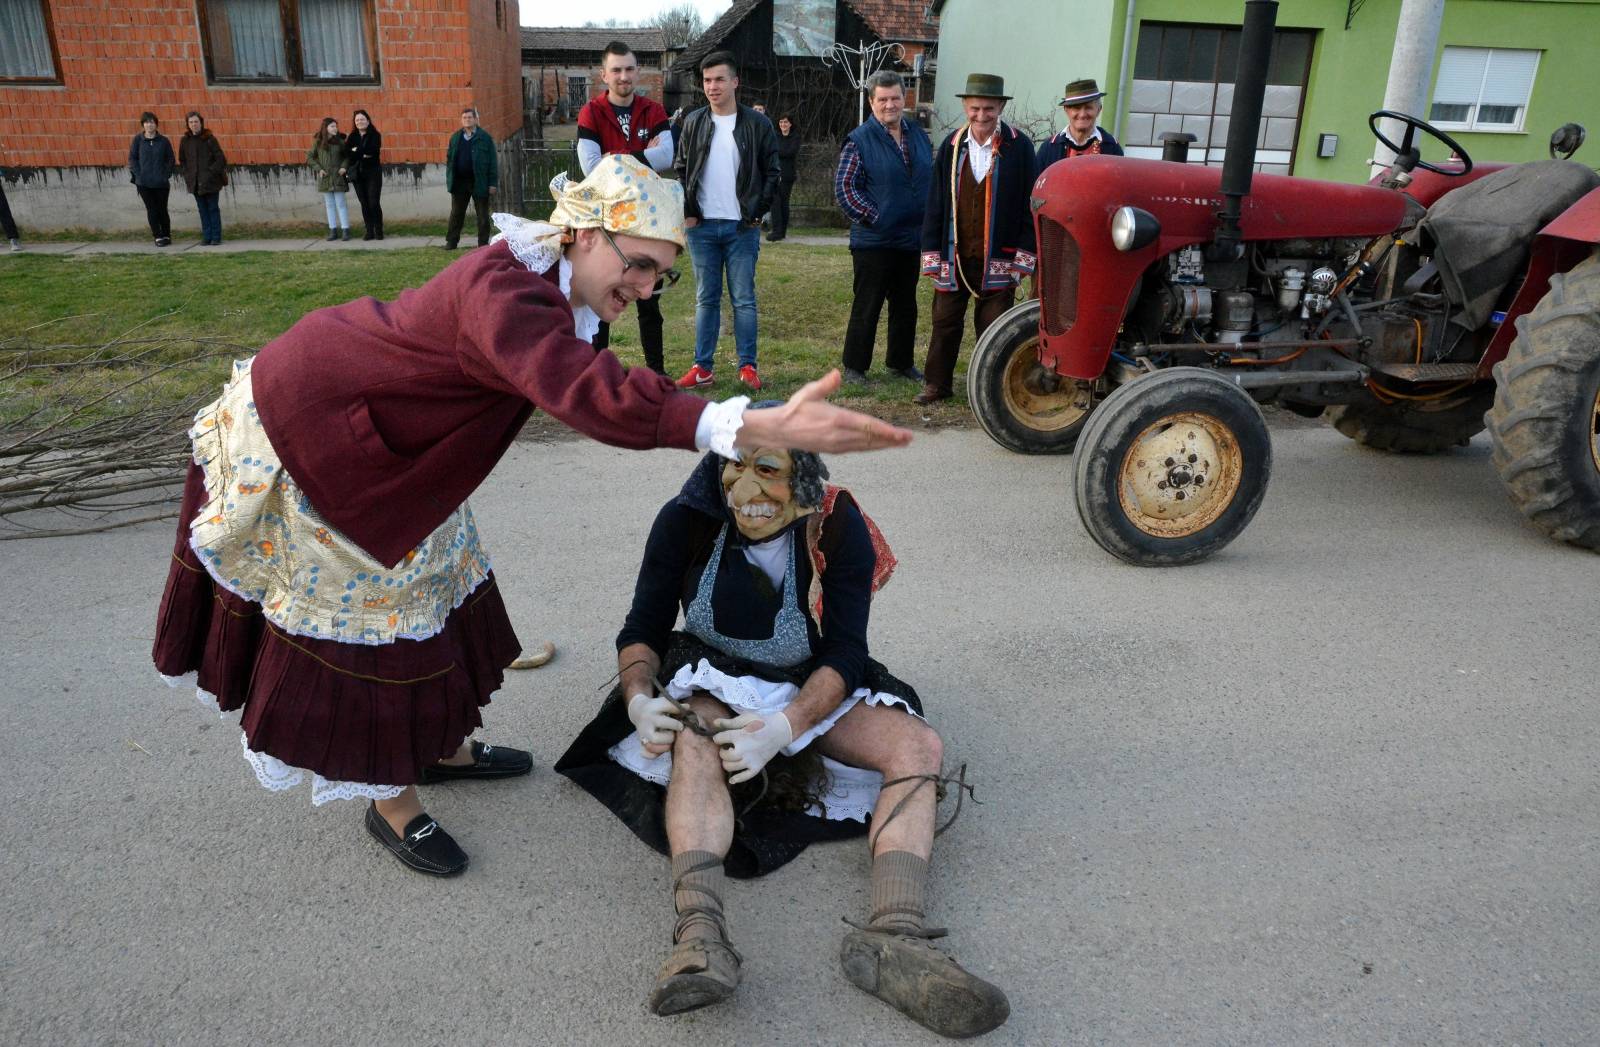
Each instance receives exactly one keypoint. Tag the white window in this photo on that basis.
(25, 52)
(1483, 88)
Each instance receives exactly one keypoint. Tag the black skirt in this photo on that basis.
(766, 836)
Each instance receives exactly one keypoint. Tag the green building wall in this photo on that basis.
(1350, 68)
(1037, 45)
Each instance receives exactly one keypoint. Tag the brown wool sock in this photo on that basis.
(899, 887)
(698, 888)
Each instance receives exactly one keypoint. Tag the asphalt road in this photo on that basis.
(1336, 785)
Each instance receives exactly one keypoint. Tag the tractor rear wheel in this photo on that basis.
(1408, 427)
(1022, 405)
(1545, 421)
(1171, 467)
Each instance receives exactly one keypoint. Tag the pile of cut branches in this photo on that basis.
(92, 436)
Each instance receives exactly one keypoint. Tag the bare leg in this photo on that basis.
(897, 745)
(699, 808)
(462, 757)
(399, 811)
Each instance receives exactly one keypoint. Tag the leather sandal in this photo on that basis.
(488, 761)
(426, 847)
(700, 971)
(905, 971)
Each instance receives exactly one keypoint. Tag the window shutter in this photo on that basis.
(1509, 80)
(1460, 75)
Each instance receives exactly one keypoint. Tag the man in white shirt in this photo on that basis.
(728, 163)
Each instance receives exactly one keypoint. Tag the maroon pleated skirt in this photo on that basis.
(350, 712)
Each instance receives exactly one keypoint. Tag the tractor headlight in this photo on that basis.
(1132, 228)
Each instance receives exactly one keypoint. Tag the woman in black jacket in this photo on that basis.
(205, 172)
(150, 165)
(788, 160)
(365, 172)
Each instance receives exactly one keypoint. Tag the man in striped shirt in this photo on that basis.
(881, 185)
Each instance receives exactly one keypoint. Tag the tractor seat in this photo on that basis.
(1479, 236)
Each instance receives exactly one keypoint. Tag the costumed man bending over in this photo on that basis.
(773, 729)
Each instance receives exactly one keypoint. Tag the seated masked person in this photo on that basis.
(763, 726)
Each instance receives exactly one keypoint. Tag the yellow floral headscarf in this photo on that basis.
(621, 195)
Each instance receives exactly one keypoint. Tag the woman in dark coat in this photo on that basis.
(365, 172)
(150, 166)
(788, 162)
(205, 172)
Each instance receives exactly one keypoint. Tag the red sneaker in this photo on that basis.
(747, 375)
(695, 377)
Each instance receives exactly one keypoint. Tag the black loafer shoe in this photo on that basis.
(910, 373)
(426, 847)
(488, 761)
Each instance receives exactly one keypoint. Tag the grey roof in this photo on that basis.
(643, 39)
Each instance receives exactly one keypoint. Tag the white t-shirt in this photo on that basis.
(719, 180)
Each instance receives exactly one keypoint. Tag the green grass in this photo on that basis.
(803, 295)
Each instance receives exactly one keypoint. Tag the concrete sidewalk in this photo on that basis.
(315, 243)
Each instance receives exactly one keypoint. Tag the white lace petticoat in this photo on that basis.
(277, 776)
(851, 792)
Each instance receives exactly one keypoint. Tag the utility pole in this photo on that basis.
(1416, 40)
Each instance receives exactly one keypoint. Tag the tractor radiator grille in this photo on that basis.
(1058, 277)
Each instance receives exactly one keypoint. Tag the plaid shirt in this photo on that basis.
(850, 183)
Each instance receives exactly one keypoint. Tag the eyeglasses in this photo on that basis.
(664, 277)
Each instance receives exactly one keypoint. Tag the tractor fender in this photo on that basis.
(1560, 245)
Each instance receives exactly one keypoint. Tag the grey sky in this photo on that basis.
(626, 12)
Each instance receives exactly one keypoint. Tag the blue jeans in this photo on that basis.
(338, 210)
(210, 217)
(719, 245)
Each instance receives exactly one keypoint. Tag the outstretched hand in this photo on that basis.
(808, 422)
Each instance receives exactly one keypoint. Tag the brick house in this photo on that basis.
(561, 67)
(76, 74)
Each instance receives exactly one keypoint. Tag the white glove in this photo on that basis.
(654, 720)
(749, 741)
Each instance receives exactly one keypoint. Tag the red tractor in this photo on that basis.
(1174, 298)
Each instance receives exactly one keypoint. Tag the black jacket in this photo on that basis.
(757, 181)
(205, 168)
(788, 156)
(150, 161)
(361, 153)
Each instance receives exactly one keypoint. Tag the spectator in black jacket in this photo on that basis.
(205, 172)
(150, 165)
(1083, 135)
(788, 164)
(365, 172)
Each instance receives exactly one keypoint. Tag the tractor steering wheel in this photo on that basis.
(1413, 125)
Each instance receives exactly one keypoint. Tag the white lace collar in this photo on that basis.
(585, 322)
(537, 245)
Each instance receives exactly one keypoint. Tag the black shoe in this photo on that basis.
(368, 234)
(344, 234)
(773, 238)
(850, 374)
(333, 234)
(426, 847)
(909, 373)
(165, 241)
(379, 234)
(447, 247)
(488, 761)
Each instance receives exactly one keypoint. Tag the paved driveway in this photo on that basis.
(1337, 785)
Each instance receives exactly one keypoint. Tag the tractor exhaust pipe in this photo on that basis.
(1244, 123)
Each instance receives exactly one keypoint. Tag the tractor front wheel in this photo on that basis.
(1171, 467)
(1545, 421)
(1022, 405)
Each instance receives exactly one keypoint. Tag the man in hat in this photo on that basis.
(977, 231)
(1082, 135)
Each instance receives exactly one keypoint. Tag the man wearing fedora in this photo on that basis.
(1082, 136)
(977, 231)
